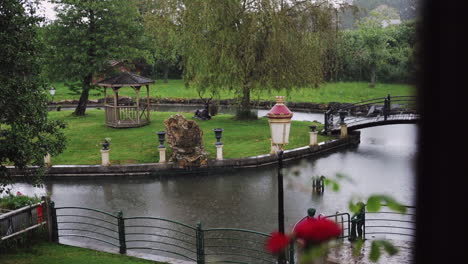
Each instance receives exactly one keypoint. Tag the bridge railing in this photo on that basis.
(364, 111)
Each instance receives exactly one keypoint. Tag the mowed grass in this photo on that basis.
(140, 145)
(48, 253)
(347, 92)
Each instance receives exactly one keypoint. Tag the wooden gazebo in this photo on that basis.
(124, 116)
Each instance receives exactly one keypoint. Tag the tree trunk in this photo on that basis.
(372, 77)
(244, 108)
(81, 107)
(166, 71)
(245, 103)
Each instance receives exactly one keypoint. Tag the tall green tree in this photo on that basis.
(26, 134)
(163, 33)
(373, 43)
(88, 34)
(258, 44)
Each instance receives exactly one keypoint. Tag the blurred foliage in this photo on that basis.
(12, 202)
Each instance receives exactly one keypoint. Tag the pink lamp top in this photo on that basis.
(280, 110)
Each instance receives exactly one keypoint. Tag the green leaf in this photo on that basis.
(394, 205)
(375, 251)
(389, 247)
(358, 247)
(336, 187)
(373, 203)
(353, 207)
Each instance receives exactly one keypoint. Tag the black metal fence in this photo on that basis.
(162, 236)
(159, 236)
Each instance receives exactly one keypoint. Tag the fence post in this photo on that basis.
(386, 107)
(291, 253)
(54, 224)
(200, 244)
(121, 226)
(326, 122)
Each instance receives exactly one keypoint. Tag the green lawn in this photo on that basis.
(140, 145)
(348, 92)
(48, 253)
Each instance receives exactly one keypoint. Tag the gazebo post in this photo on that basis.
(116, 99)
(137, 90)
(147, 103)
(105, 96)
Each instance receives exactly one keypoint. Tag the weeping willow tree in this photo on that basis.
(245, 45)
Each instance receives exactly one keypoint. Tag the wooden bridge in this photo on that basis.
(388, 110)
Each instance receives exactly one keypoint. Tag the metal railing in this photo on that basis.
(390, 223)
(378, 110)
(164, 236)
(195, 243)
(22, 220)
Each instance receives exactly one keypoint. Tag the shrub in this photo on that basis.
(12, 202)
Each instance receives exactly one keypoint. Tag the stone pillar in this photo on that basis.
(105, 157)
(47, 160)
(313, 138)
(219, 152)
(344, 131)
(162, 155)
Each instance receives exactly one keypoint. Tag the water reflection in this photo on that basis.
(383, 163)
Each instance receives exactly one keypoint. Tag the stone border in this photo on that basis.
(86, 171)
(262, 104)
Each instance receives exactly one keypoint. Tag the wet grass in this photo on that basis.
(140, 145)
(348, 92)
(48, 253)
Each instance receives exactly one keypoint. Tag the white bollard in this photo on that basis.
(344, 131)
(162, 155)
(313, 138)
(219, 152)
(48, 160)
(105, 157)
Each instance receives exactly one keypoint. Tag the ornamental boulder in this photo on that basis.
(186, 141)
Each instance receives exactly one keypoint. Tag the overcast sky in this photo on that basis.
(47, 9)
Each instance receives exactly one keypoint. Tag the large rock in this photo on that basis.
(186, 140)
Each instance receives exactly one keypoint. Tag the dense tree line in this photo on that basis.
(236, 45)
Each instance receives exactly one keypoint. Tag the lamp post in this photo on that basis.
(279, 119)
(52, 92)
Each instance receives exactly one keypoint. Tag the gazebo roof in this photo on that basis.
(125, 79)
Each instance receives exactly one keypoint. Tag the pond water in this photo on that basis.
(383, 163)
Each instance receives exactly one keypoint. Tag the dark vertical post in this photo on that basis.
(280, 193)
(200, 244)
(326, 121)
(281, 257)
(386, 107)
(291, 253)
(121, 226)
(364, 225)
(54, 224)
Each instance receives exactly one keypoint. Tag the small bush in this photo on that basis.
(246, 115)
(12, 202)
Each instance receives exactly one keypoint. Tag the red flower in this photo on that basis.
(277, 242)
(317, 230)
(18, 194)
